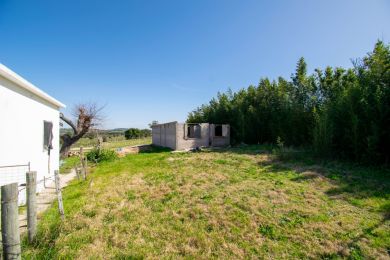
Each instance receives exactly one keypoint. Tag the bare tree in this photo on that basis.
(87, 116)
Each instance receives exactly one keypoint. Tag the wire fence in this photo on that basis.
(10, 175)
(17, 174)
(14, 174)
(20, 188)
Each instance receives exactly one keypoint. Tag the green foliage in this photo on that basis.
(338, 112)
(133, 133)
(101, 155)
(68, 164)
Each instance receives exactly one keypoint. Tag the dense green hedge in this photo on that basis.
(338, 112)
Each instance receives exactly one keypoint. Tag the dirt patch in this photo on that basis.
(123, 151)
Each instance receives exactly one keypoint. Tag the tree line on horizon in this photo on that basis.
(343, 113)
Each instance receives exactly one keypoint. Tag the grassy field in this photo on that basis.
(236, 203)
(112, 144)
(71, 162)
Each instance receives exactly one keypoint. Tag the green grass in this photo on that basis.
(130, 142)
(112, 144)
(69, 163)
(237, 203)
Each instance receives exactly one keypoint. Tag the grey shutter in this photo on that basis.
(47, 135)
(51, 135)
(225, 130)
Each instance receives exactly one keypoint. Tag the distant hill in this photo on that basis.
(117, 130)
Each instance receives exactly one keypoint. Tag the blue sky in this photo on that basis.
(158, 60)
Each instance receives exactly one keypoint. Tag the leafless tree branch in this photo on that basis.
(86, 116)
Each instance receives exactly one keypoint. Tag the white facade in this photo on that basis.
(23, 110)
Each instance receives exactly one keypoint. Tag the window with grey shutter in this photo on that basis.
(47, 135)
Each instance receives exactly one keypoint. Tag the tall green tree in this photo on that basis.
(338, 112)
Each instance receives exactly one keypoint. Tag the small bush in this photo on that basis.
(101, 155)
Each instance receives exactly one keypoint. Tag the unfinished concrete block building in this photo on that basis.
(184, 136)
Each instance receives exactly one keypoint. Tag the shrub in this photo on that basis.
(101, 155)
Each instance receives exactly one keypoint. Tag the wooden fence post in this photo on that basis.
(85, 167)
(31, 192)
(59, 194)
(10, 221)
(77, 172)
(82, 160)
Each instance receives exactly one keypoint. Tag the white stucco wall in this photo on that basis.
(21, 134)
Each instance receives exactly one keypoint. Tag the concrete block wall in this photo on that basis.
(183, 143)
(220, 140)
(164, 135)
(156, 137)
(173, 135)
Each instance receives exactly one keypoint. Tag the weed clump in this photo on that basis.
(101, 155)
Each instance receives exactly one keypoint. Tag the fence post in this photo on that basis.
(85, 167)
(59, 194)
(77, 172)
(31, 192)
(83, 163)
(10, 221)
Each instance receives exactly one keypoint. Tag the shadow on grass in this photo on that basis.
(306, 177)
(154, 149)
(361, 186)
(354, 183)
(244, 149)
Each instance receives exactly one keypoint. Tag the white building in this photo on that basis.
(29, 122)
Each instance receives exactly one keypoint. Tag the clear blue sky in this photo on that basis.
(158, 60)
